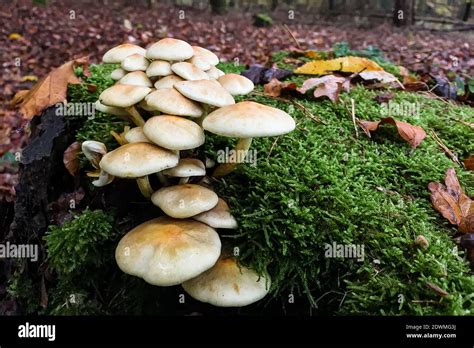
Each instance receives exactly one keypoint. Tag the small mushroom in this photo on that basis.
(186, 168)
(112, 110)
(170, 101)
(166, 251)
(183, 201)
(206, 55)
(117, 74)
(94, 151)
(137, 161)
(159, 68)
(236, 84)
(136, 135)
(136, 78)
(214, 73)
(135, 62)
(167, 81)
(120, 52)
(189, 71)
(227, 284)
(170, 49)
(246, 120)
(218, 217)
(206, 92)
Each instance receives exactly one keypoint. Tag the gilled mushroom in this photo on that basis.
(227, 284)
(170, 49)
(125, 96)
(94, 151)
(236, 84)
(137, 161)
(136, 78)
(170, 101)
(135, 62)
(183, 201)
(159, 68)
(188, 71)
(120, 52)
(167, 81)
(166, 251)
(117, 74)
(186, 168)
(246, 120)
(119, 112)
(217, 217)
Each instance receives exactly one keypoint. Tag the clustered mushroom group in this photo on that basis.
(182, 94)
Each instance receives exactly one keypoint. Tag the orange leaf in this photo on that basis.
(445, 203)
(469, 162)
(50, 90)
(71, 159)
(410, 133)
(275, 87)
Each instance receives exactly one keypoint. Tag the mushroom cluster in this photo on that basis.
(172, 93)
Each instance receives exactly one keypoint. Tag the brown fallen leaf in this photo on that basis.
(469, 162)
(329, 86)
(275, 87)
(71, 159)
(410, 133)
(384, 97)
(50, 90)
(451, 201)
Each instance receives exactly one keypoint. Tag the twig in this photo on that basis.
(291, 34)
(446, 150)
(354, 117)
(469, 124)
(271, 148)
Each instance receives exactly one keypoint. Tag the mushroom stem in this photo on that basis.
(136, 118)
(184, 180)
(240, 152)
(162, 178)
(205, 112)
(144, 186)
(119, 138)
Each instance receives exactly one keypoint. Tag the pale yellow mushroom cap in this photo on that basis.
(228, 285)
(248, 120)
(214, 73)
(159, 68)
(168, 81)
(135, 62)
(166, 251)
(117, 74)
(136, 135)
(183, 201)
(110, 109)
(206, 55)
(170, 101)
(236, 84)
(135, 160)
(189, 71)
(187, 167)
(136, 78)
(217, 217)
(205, 91)
(123, 95)
(120, 52)
(170, 49)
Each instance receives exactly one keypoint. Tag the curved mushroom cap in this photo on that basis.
(170, 49)
(135, 62)
(228, 285)
(174, 132)
(166, 251)
(168, 81)
(236, 84)
(123, 95)
(120, 52)
(170, 101)
(199, 62)
(205, 91)
(189, 71)
(206, 55)
(137, 159)
(159, 68)
(93, 149)
(187, 167)
(217, 217)
(214, 73)
(136, 135)
(136, 78)
(117, 74)
(183, 201)
(110, 109)
(248, 120)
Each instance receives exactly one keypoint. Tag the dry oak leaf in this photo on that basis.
(344, 64)
(469, 162)
(329, 86)
(50, 90)
(71, 159)
(410, 133)
(275, 87)
(452, 202)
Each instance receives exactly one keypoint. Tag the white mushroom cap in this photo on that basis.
(206, 55)
(123, 95)
(236, 84)
(170, 49)
(183, 201)
(174, 132)
(248, 120)
(135, 62)
(228, 285)
(93, 149)
(117, 74)
(136, 78)
(120, 52)
(170, 101)
(136, 135)
(137, 159)
(167, 251)
(214, 73)
(159, 68)
(217, 217)
(187, 167)
(189, 71)
(168, 81)
(205, 91)
(110, 109)
(199, 62)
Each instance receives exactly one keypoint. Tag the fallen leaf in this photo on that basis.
(329, 86)
(344, 64)
(259, 74)
(410, 133)
(275, 87)
(15, 36)
(384, 97)
(50, 90)
(379, 75)
(29, 78)
(444, 203)
(71, 159)
(469, 162)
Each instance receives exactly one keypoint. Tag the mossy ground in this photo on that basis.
(322, 184)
